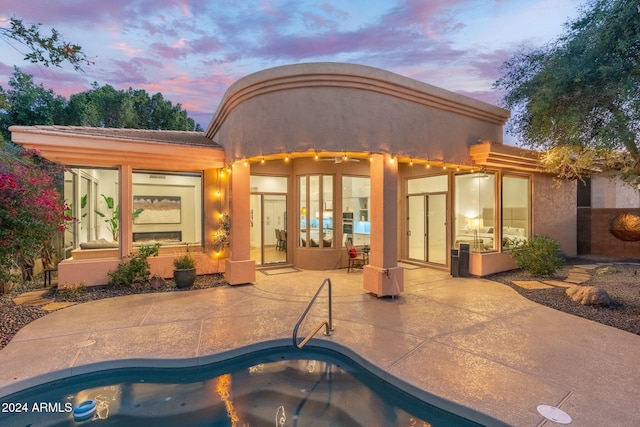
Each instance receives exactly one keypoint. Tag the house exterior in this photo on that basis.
(600, 199)
(307, 158)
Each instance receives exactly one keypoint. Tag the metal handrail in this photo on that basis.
(328, 324)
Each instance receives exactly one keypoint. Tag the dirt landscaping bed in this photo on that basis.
(621, 281)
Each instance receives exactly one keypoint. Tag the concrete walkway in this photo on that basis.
(474, 342)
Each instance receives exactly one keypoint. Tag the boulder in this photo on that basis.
(602, 271)
(157, 282)
(589, 295)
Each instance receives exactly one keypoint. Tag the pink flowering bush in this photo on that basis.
(31, 209)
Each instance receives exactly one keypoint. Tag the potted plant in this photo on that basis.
(184, 270)
(113, 220)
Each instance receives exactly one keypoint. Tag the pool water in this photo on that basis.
(262, 389)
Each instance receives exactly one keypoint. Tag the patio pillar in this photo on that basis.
(239, 268)
(382, 276)
(126, 210)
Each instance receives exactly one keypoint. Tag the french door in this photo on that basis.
(268, 228)
(427, 228)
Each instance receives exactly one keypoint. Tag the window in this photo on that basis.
(92, 197)
(316, 211)
(516, 226)
(356, 221)
(475, 211)
(167, 207)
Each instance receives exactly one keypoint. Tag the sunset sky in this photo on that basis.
(192, 50)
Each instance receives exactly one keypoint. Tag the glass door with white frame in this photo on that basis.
(427, 219)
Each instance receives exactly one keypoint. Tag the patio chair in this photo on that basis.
(355, 257)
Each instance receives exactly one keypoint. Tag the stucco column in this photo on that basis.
(383, 276)
(239, 268)
(126, 210)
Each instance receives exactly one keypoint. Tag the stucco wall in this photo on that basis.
(607, 193)
(555, 211)
(343, 107)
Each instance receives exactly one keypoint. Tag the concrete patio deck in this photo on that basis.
(475, 342)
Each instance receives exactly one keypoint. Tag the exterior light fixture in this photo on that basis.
(218, 193)
(344, 157)
(317, 156)
(262, 161)
(410, 162)
(286, 159)
(244, 162)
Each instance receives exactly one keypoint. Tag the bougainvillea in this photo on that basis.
(31, 209)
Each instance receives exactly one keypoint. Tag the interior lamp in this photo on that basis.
(303, 211)
(475, 224)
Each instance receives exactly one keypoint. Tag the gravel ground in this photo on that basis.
(622, 283)
(623, 286)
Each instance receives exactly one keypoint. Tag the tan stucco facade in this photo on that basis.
(336, 120)
(137, 150)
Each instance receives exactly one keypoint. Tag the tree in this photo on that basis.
(45, 50)
(25, 103)
(578, 98)
(31, 210)
(28, 104)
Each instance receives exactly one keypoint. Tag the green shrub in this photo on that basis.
(184, 262)
(540, 256)
(135, 269)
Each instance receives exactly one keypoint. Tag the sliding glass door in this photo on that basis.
(427, 228)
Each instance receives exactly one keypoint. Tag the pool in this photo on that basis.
(279, 386)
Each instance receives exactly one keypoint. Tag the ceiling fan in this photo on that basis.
(340, 159)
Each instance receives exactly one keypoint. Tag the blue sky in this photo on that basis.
(192, 50)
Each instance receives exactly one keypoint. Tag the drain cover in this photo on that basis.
(554, 414)
(85, 343)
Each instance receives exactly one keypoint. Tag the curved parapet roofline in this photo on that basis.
(350, 76)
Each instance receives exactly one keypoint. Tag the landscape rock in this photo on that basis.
(589, 295)
(605, 270)
(157, 282)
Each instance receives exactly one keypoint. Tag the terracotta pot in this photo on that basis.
(184, 278)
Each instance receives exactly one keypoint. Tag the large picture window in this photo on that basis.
(516, 224)
(475, 211)
(92, 197)
(356, 221)
(316, 211)
(167, 207)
